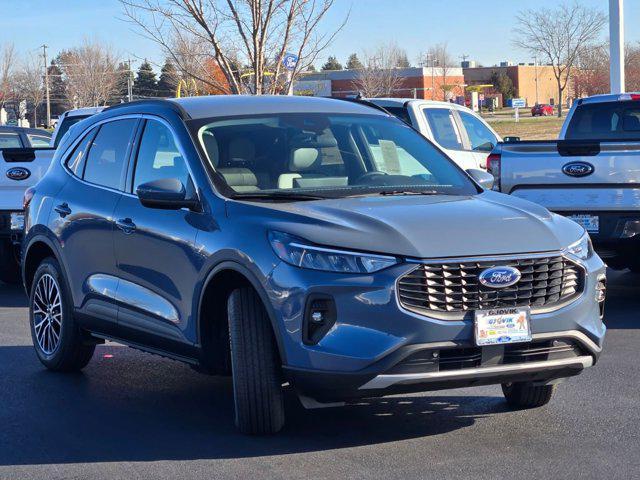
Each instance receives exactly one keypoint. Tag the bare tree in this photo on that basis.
(7, 78)
(591, 73)
(91, 74)
(379, 75)
(557, 35)
(29, 84)
(248, 39)
(440, 60)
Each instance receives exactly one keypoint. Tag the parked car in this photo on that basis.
(465, 137)
(26, 154)
(542, 109)
(310, 242)
(590, 174)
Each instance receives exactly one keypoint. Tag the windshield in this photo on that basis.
(326, 155)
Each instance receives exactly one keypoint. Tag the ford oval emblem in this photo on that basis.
(500, 277)
(578, 169)
(18, 173)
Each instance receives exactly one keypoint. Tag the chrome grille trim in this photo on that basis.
(449, 288)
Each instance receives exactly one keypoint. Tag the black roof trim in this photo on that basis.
(364, 102)
(175, 106)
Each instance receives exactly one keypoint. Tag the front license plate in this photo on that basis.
(591, 223)
(17, 221)
(502, 325)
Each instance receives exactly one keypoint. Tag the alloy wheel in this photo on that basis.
(47, 313)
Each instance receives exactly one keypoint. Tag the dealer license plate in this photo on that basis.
(591, 223)
(17, 221)
(502, 325)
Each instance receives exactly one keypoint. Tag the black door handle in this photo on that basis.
(126, 225)
(63, 209)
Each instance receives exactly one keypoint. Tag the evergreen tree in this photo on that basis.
(503, 84)
(332, 64)
(354, 62)
(123, 74)
(402, 61)
(169, 79)
(145, 84)
(57, 89)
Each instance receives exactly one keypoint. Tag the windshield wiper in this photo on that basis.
(277, 196)
(409, 192)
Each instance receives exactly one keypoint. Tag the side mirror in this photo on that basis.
(484, 179)
(166, 193)
(511, 139)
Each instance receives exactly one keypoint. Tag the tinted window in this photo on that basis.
(400, 112)
(107, 154)
(66, 125)
(38, 141)
(158, 156)
(602, 121)
(444, 129)
(481, 138)
(10, 140)
(75, 162)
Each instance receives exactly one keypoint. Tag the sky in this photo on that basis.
(479, 29)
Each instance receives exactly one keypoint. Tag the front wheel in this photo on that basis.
(255, 365)
(57, 339)
(523, 395)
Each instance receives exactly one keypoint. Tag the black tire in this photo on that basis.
(524, 395)
(255, 365)
(71, 352)
(9, 266)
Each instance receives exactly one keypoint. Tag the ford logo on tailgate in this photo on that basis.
(578, 169)
(500, 277)
(18, 173)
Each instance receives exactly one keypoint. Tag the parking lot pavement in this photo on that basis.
(132, 415)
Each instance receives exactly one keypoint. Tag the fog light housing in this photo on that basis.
(601, 293)
(631, 229)
(319, 316)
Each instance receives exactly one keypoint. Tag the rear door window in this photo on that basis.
(38, 141)
(481, 138)
(10, 140)
(444, 128)
(108, 153)
(605, 121)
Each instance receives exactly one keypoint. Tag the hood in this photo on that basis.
(419, 226)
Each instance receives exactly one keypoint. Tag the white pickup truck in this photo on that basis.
(23, 161)
(591, 174)
(459, 131)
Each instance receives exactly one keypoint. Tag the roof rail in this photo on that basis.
(151, 102)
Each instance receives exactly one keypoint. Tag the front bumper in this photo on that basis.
(378, 348)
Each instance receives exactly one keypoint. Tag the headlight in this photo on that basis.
(582, 249)
(299, 253)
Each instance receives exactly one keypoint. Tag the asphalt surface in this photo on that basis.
(131, 415)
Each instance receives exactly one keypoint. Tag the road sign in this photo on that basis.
(290, 61)
(518, 103)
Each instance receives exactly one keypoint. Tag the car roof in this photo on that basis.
(400, 102)
(608, 97)
(25, 130)
(236, 105)
(84, 111)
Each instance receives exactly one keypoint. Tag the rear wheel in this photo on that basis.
(525, 395)
(57, 339)
(9, 266)
(256, 372)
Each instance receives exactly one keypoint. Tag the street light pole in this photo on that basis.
(46, 84)
(129, 84)
(535, 66)
(616, 45)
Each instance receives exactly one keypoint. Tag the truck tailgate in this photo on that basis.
(536, 171)
(21, 168)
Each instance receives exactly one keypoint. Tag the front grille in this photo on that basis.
(454, 287)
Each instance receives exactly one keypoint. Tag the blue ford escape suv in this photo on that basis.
(313, 245)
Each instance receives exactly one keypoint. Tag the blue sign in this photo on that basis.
(290, 61)
(518, 103)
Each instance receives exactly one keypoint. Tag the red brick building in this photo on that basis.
(413, 82)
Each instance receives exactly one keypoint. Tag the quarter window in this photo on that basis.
(158, 156)
(76, 161)
(444, 128)
(108, 152)
(481, 138)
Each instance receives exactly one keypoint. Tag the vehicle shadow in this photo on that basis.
(12, 296)
(623, 297)
(129, 406)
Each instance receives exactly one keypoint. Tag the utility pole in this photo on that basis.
(129, 82)
(46, 84)
(535, 66)
(616, 45)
